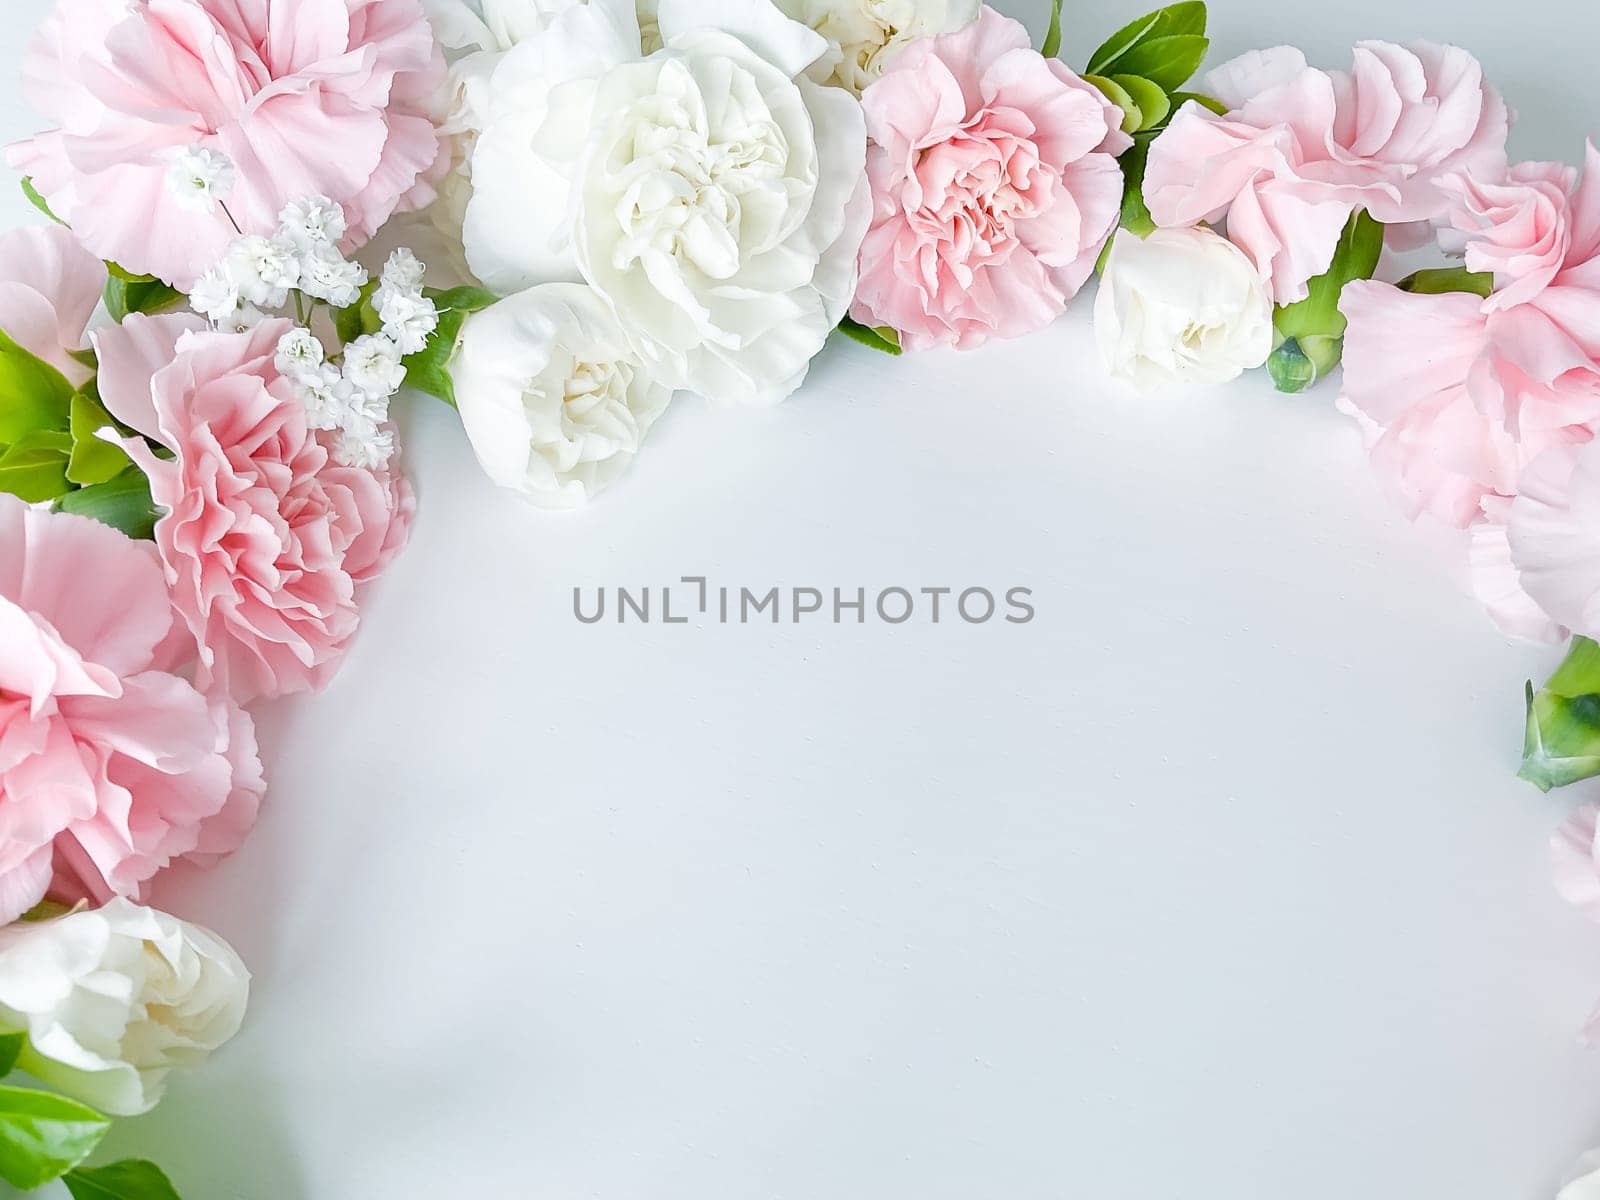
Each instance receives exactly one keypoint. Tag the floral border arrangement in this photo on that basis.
(624, 200)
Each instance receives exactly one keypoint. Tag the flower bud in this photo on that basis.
(1562, 740)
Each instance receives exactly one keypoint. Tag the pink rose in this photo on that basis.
(305, 97)
(266, 537)
(49, 286)
(994, 185)
(1302, 149)
(110, 767)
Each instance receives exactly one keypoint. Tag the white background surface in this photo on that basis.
(1214, 881)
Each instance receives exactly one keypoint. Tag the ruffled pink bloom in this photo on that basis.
(1575, 870)
(1302, 149)
(1455, 403)
(49, 286)
(110, 767)
(1553, 532)
(266, 538)
(306, 97)
(994, 185)
(1536, 228)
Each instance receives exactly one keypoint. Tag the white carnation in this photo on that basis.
(1181, 306)
(113, 999)
(865, 35)
(713, 195)
(554, 402)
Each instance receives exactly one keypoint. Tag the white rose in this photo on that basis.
(712, 195)
(1181, 306)
(865, 35)
(112, 999)
(551, 397)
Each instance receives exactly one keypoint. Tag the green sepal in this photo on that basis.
(11, 1046)
(128, 294)
(874, 337)
(1309, 334)
(33, 394)
(1052, 36)
(1561, 738)
(428, 369)
(93, 460)
(34, 467)
(42, 1136)
(123, 503)
(1176, 20)
(131, 1179)
(38, 201)
(1438, 281)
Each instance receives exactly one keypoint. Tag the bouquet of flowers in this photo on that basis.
(620, 201)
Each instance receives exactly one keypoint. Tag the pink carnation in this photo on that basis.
(109, 766)
(49, 286)
(1302, 149)
(1456, 402)
(1536, 228)
(305, 97)
(266, 537)
(994, 185)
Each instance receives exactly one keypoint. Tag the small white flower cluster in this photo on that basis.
(349, 396)
(258, 273)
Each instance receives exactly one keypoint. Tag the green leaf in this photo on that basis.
(11, 1045)
(33, 394)
(38, 201)
(359, 318)
(1176, 20)
(126, 295)
(1052, 37)
(131, 1179)
(1119, 95)
(43, 1135)
(428, 369)
(1154, 106)
(1179, 99)
(1561, 740)
(123, 503)
(1439, 280)
(1167, 62)
(93, 460)
(1310, 333)
(34, 467)
(880, 338)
